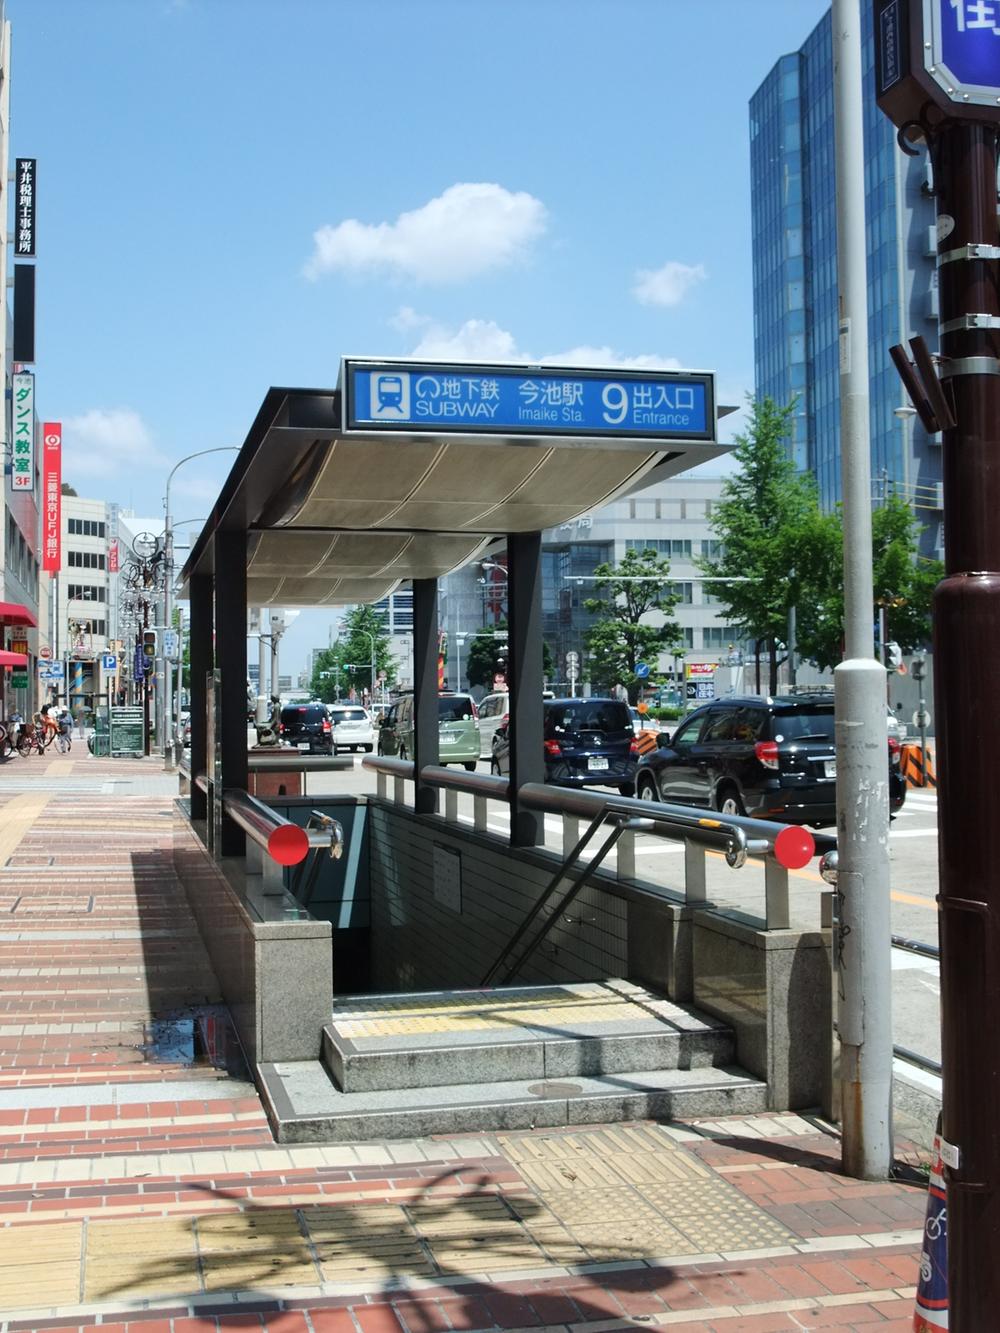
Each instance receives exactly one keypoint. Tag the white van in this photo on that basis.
(492, 711)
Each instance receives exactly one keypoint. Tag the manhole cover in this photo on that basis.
(555, 1089)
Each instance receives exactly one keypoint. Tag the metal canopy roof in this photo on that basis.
(335, 518)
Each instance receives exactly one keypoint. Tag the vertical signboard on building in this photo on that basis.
(113, 557)
(23, 469)
(52, 487)
(24, 313)
(24, 208)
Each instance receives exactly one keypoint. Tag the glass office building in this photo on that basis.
(794, 231)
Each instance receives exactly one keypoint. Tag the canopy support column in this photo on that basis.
(524, 658)
(231, 660)
(200, 639)
(425, 690)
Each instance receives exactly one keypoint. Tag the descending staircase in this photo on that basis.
(397, 1066)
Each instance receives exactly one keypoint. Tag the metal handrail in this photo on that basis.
(202, 783)
(916, 946)
(285, 842)
(291, 761)
(738, 836)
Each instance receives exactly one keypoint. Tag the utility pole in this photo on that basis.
(863, 931)
(940, 85)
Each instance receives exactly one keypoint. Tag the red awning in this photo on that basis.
(12, 659)
(13, 613)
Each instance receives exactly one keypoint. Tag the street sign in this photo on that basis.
(171, 644)
(922, 719)
(45, 653)
(572, 660)
(532, 400)
(940, 51)
(109, 662)
(642, 670)
(57, 670)
(139, 664)
(19, 680)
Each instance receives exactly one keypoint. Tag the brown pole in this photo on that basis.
(966, 654)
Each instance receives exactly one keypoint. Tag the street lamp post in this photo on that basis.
(168, 582)
(371, 639)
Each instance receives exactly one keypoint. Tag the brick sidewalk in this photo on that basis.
(140, 1186)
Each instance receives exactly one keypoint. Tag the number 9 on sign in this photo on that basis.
(615, 399)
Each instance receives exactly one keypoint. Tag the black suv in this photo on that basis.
(307, 727)
(771, 758)
(587, 742)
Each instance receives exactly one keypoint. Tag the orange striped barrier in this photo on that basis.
(646, 741)
(912, 766)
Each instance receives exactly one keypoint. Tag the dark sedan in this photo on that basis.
(587, 742)
(771, 758)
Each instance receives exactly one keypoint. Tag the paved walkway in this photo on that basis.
(140, 1187)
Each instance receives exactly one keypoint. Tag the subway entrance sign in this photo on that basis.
(942, 54)
(421, 398)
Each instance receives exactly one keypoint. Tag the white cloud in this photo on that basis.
(108, 442)
(607, 356)
(406, 319)
(667, 285)
(476, 340)
(467, 230)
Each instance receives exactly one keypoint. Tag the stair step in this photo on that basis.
(375, 1043)
(305, 1107)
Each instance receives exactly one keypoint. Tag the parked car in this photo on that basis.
(458, 730)
(492, 709)
(307, 727)
(353, 728)
(587, 742)
(773, 758)
(897, 729)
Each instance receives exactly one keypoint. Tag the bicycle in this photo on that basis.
(29, 738)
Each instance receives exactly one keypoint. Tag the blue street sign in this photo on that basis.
(642, 670)
(109, 662)
(57, 670)
(964, 54)
(139, 663)
(533, 400)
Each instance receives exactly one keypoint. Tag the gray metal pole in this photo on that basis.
(262, 691)
(864, 934)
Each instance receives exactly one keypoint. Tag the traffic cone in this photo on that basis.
(931, 1312)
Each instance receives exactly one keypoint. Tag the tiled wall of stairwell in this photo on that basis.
(419, 941)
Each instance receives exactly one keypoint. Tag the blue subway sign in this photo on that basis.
(529, 400)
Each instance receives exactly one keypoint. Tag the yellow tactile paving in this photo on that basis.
(46, 1241)
(19, 814)
(477, 1012)
(153, 1274)
(163, 1235)
(44, 1284)
(226, 1272)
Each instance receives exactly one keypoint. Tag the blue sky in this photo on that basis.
(233, 195)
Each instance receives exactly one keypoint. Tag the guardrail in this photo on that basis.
(781, 847)
(275, 842)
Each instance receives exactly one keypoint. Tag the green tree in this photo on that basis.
(903, 583)
(347, 662)
(621, 638)
(488, 657)
(768, 522)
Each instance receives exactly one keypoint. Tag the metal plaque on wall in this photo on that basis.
(447, 867)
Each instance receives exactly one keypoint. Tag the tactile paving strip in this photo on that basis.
(490, 1011)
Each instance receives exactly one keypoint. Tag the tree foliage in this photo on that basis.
(488, 657)
(903, 584)
(347, 662)
(621, 638)
(769, 524)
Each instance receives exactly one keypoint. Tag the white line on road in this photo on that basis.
(914, 833)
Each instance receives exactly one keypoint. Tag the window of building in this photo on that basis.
(85, 527)
(85, 559)
(684, 593)
(85, 592)
(719, 636)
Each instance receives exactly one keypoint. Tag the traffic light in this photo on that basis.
(893, 656)
(918, 668)
(148, 649)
